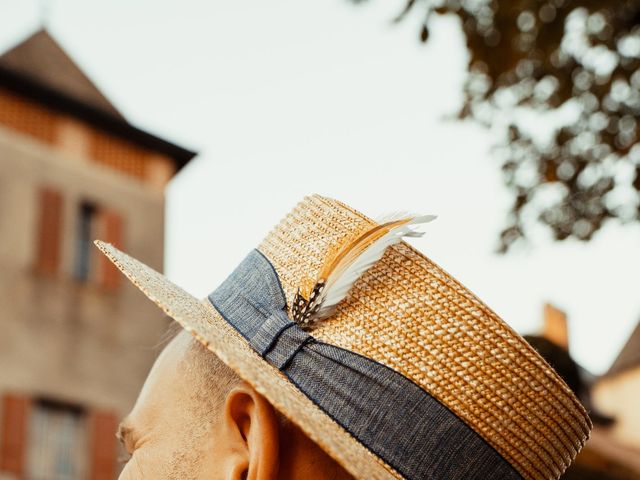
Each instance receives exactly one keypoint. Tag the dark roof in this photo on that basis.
(629, 356)
(34, 82)
(41, 59)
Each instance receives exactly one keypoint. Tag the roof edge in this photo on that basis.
(34, 90)
(628, 357)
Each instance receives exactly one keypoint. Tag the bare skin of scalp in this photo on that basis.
(196, 419)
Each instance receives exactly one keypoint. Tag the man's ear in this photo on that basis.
(250, 431)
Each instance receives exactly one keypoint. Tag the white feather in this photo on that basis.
(336, 289)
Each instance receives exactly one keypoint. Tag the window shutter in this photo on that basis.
(49, 231)
(15, 421)
(103, 425)
(112, 228)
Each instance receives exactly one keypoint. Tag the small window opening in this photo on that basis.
(84, 235)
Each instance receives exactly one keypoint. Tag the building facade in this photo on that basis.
(618, 393)
(76, 341)
(612, 400)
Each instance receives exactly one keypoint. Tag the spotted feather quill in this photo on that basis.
(341, 270)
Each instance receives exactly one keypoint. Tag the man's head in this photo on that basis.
(196, 419)
(394, 367)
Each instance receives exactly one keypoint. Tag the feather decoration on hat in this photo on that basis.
(342, 268)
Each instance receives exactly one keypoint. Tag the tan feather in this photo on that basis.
(342, 268)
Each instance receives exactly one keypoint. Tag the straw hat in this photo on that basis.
(409, 376)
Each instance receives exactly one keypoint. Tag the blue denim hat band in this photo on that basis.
(388, 413)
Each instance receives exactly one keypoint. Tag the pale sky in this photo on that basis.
(284, 98)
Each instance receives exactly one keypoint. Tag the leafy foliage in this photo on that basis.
(547, 58)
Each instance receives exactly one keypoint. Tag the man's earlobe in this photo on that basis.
(250, 430)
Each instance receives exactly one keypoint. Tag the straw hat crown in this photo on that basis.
(407, 313)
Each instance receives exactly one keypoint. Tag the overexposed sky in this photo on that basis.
(288, 97)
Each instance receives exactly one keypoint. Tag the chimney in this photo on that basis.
(555, 326)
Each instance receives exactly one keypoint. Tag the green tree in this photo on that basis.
(545, 57)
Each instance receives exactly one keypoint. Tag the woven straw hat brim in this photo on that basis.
(204, 322)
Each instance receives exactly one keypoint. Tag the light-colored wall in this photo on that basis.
(619, 396)
(59, 337)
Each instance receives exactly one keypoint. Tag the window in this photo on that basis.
(93, 221)
(44, 439)
(57, 448)
(96, 222)
(84, 235)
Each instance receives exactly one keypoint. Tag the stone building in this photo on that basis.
(617, 392)
(613, 451)
(76, 341)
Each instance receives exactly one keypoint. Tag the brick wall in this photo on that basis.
(51, 127)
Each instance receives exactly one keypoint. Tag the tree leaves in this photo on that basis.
(544, 56)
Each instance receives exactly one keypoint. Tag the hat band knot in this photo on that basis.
(279, 339)
(251, 299)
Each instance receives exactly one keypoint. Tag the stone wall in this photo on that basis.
(64, 339)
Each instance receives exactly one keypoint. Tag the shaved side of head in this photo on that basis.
(209, 380)
(210, 377)
(185, 422)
